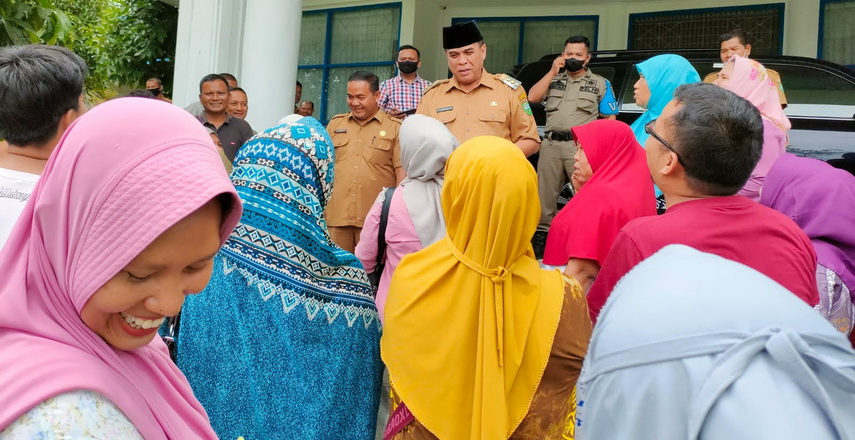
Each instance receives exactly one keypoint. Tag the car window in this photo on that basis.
(627, 101)
(815, 92)
(606, 72)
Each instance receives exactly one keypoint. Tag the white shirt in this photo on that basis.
(15, 189)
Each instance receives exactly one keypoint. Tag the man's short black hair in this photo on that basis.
(213, 77)
(579, 39)
(237, 89)
(300, 85)
(141, 93)
(38, 85)
(737, 33)
(719, 137)
(407, 46)
(369, 77)
(229, 77)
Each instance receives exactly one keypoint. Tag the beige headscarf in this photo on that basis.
(425, 146)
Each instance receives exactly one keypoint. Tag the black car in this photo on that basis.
(820, 94)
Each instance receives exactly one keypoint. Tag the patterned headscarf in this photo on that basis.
(750, 81)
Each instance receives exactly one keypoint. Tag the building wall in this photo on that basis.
(422, 20)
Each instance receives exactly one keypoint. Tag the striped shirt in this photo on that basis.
(396, 93)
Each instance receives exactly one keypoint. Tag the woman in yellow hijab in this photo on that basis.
(480, 342)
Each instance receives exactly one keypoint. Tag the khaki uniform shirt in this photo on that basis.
(497, 106)
(773, 75)
(572, 102)
(366, 156)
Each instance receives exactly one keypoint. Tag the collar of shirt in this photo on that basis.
(415, 81)
(570, 78)
(484, 81)
(378, 116)
(204, 119)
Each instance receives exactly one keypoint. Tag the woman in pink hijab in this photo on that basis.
(748, 79)
(123, 224)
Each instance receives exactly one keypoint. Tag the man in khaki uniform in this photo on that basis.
(474, 102)
(574, 96)
(367, 159)
(735, 43)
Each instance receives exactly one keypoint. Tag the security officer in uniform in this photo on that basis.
(574, 96)
(475, 102)
(367, 159)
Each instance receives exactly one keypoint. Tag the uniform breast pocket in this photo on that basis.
(446, 117)
(494, 115)
(381, 152)
(553, 99)
(588, 103)
(341, 148)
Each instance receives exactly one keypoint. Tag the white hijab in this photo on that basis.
(691, 345)
(425, 146)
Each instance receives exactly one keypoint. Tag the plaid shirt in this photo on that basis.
(396, 93)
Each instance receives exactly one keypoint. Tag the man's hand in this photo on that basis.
(558, 64)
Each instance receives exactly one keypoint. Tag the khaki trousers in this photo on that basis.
(554, 168)
(346, 237)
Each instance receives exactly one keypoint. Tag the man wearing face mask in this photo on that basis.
(399, 96)
(573, 95)
(155, 86)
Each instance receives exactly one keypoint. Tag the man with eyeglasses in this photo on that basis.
(700, 152)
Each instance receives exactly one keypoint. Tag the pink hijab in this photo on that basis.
(112, 186)
(750, 81)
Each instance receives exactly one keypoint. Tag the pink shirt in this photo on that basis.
(401, 239)
(731, 227)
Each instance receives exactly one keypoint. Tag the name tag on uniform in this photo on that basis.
(341, 130)
(593, 90)
(558, 85)
(444, 109)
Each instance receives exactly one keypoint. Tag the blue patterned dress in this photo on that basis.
(284, 341)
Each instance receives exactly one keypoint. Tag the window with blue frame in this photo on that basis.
(334, 43)
(837, 31)
(701, 28)
(517, 40)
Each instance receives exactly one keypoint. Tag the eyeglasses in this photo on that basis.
(649, 130)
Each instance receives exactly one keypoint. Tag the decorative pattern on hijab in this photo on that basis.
(750, 81)
(285, 178)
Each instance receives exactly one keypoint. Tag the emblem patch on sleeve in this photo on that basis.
(524, 102)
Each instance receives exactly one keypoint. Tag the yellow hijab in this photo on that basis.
(470, 320)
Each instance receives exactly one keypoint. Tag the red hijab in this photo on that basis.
(619, 190)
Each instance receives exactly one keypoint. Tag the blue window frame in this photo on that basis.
(701, 28)
(517, 40)
(836, 39)
(337, 42)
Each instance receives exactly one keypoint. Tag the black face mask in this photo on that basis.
(155, 92)
(408, 67)
(573, 64)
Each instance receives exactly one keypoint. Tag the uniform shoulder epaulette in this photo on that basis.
(510, 82)
(434, 84)
(338, 116)
(394, 119)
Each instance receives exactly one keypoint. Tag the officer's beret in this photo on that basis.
(459, 35)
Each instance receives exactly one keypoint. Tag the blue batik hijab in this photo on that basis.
(664, 73)
(285, 178)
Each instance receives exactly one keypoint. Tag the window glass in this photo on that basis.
(838, 44)
(814, 92)
(366, 35)
(543, 37)
(313, 82)
(313, 32)
(503, 39)
(701, 28)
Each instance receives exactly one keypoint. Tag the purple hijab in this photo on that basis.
(821, 200)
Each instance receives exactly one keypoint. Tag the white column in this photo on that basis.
(209, 40)
(271, 46)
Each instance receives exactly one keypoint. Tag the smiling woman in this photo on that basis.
(123, 224)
